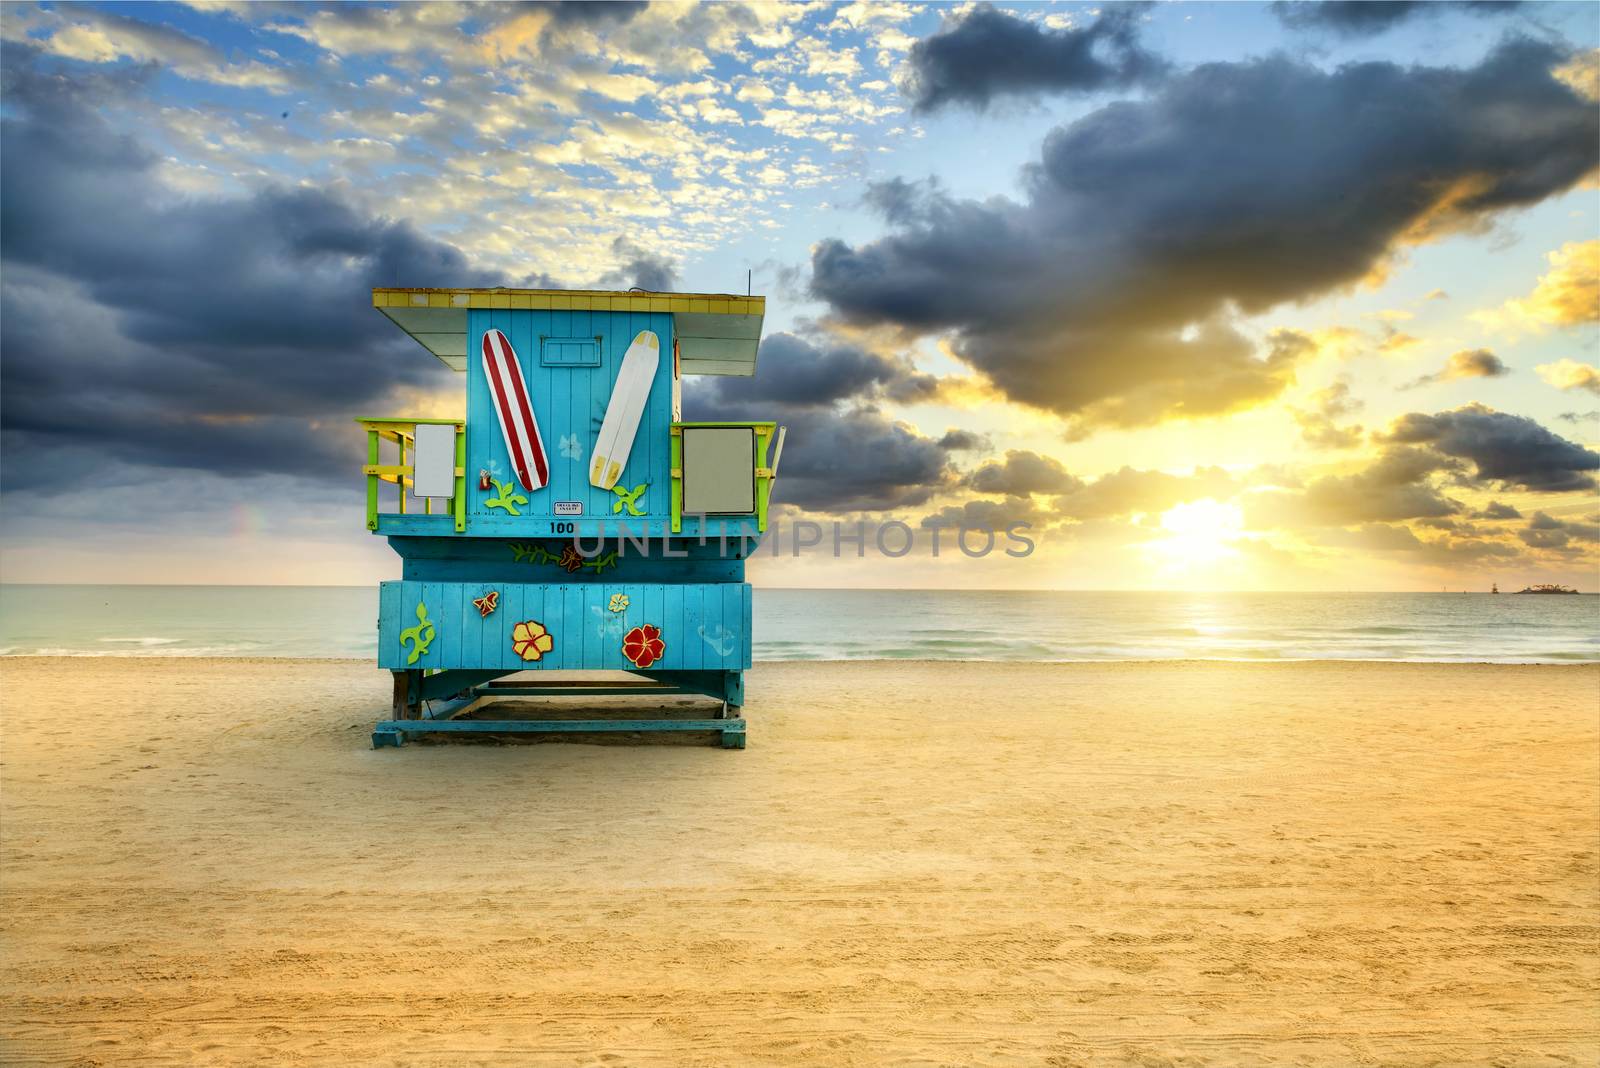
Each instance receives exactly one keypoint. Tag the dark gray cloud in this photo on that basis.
(1394, 487)
(988, 53)
(959, 440)
(1468, 363)
(1545, 531)
(842, 454)
(1496, 510)
(1107, 294)
(1022, 473)
(594, 12)
(1473, 446)
(806, 372)
(856, 460)
(641, 269)
(1362, 18)
(212, 334)
(1505, 449)
(981, 513)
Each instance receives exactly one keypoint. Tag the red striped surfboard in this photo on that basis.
(510, 395)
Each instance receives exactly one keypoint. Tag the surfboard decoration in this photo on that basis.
(628, 399)
(515, 412)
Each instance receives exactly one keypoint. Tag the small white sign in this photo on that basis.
(433, 461)
(569, 508)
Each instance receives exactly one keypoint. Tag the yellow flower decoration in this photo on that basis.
(619, 602)
(530, 640)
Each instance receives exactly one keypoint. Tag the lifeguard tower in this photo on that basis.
(571, 521)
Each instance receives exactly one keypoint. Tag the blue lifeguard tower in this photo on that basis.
(645, 577)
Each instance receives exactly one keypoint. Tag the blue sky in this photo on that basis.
(306, 152)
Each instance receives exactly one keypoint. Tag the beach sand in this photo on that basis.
(913, 863)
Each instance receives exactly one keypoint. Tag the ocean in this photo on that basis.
(321, 621)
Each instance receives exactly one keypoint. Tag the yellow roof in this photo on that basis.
(718, 333)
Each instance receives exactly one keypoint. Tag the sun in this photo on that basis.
(1200, 532)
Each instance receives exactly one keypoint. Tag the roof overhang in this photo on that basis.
(718, 334)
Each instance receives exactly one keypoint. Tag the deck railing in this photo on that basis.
(403, 433)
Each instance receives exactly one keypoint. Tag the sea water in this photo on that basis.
(320, 621)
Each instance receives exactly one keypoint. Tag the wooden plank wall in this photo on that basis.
(706, 626)
(571, 400)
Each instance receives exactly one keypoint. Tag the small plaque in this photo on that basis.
(569, 508)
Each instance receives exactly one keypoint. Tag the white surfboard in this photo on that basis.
(628, 399)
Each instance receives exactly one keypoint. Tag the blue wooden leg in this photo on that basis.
(733, 690)
(385, 735)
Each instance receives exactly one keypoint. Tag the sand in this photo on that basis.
(918, 864)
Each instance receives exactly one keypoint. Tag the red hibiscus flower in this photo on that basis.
(571, 558)
(643, 645)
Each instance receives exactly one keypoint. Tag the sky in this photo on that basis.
(1212, 296)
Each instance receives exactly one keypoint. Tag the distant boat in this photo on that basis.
(1494, 587)
(1547, 587)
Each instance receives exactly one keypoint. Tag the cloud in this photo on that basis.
(1022, 473)
(1468, 363)
(1570, 374)
(812, 372)
(92, 35)
(1317, 424)
(1126, 491)
(1547, 532)
(1508, 450)
(1362, 18)
(981, 513)
(642, 269)
(1567, 295)
(857, 460)
(224, 335)
(1393, 488)
(1496, 510)
(842, 453)
(986, 53)
(591, 14)
(958, 440)
(1107, 295)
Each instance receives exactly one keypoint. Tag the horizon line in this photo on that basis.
(823, 589)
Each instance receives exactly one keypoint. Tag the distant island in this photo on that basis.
(1547, 587)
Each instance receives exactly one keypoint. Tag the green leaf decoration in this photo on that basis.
(538, 554)
(504, 498)
(420, 636)
(629, 498)
(533, 554)
(600, 563)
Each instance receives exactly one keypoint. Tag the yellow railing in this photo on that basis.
(403, 433)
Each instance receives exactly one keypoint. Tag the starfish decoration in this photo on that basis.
(487, 603)
(571, 447)
(629, 498)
